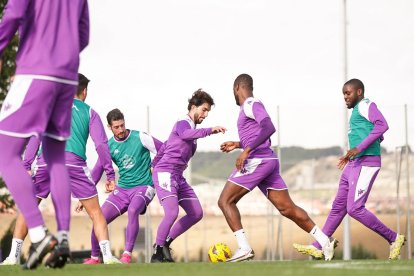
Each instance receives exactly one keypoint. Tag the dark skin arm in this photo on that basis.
(231, 145)
(344, 159)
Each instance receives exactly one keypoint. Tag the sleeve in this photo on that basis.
(266, 130)
(150, 143)
(84, 27)
(12, 15)
(97, 133)
(380, 126)
(30, 153)
(255, 110)
(159, 155)
(185, 132)
(97, 172)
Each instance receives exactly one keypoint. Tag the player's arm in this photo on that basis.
(185, 132)
(229, 146)
(380, 126)
(149, 142)
(97, 133)
(84, 27)
(14, 12)
(97, 172)
(30, 153)
(266, 126)
(159, 155)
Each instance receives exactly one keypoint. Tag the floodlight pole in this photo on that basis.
(346, 221)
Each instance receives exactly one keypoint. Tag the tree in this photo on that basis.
(7, 69)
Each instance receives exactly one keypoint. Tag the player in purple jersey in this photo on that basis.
(258, 166)
(172, 188)
(360, 165)
(51, 36)
(85, 122)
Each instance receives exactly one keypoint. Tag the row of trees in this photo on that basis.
(7, 69)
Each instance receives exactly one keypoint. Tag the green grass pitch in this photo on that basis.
(252, 268)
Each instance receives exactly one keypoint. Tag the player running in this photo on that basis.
(51, 36)
(362, 163)
(258, 166)
(85, 122)
(172, 188)
(130, 151)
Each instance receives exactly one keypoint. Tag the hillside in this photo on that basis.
(217, 165)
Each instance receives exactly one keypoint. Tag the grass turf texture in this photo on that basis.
(279, 268)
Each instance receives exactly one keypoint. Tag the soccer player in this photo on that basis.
(362, 163)
(258, 166)
(51, 36)
(131, 152)
(172, 188)
(85, 122)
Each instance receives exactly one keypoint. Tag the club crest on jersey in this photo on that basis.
(116, 151)
(116, 192)
(128, 162)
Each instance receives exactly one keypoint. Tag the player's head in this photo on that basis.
(82, 91)
(116, 123)
(242, 87)
(353, 91)
(199, 105)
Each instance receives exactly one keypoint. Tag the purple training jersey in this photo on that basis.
(51, 35)
(180, 146)
(251, 115)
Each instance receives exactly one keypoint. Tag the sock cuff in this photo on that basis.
(241, 231)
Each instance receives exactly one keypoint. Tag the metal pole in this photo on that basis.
(346, 222)
(407, 166)
(398, 162)
(188, 177)
(148, 230)
(280, 229)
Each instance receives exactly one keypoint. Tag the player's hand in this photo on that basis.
(109, 186)
(79, 207)
(218, 129)
(349, 155)
(229, 146)
(30, 173)
(242, 158)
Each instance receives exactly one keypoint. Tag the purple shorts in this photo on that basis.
(81, 184)
(168, 184)
(39, 106)
(121, 197)
(263, 173)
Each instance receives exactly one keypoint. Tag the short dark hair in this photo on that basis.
(244, 80)
(356, 83)
(114, 115)
(198, 98)
(82, 83)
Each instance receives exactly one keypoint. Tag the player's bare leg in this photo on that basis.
(100, 227)
(287, 208)
(229, 197)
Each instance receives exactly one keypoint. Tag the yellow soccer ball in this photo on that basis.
(219, 252)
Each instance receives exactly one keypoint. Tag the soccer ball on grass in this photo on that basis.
(219, 252)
